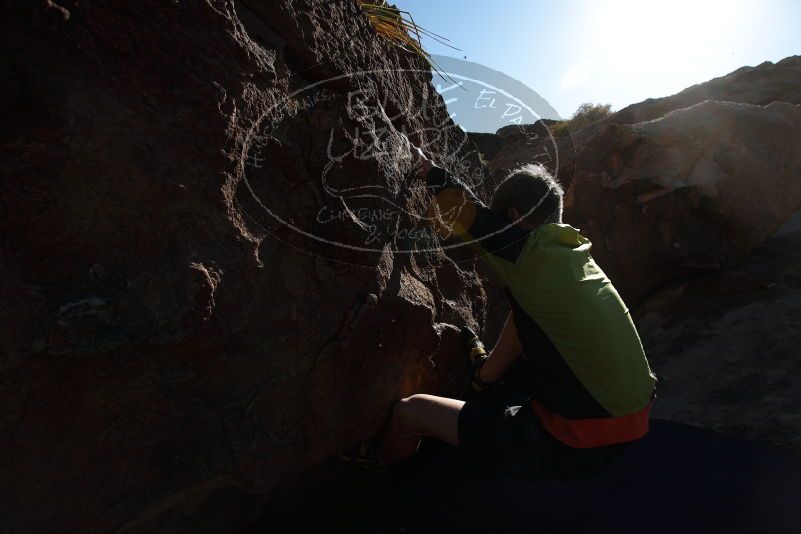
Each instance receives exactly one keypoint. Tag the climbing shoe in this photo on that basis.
(477, 354)
(365, 455)
(472, 346)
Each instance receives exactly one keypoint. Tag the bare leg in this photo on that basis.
(417, 416)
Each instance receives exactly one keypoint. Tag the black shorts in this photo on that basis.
(512, 436)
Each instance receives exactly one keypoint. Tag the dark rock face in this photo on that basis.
(171, 352)
(679, 185)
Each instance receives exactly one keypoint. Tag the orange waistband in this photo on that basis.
(587, 433)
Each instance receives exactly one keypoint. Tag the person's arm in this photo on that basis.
(506, 351)
(455, 209)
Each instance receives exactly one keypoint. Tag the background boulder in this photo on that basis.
(761, 85)
(695, 190)
(678, 185)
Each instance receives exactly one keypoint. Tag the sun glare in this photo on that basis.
(641, 41)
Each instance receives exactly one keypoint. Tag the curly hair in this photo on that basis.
(533, 192)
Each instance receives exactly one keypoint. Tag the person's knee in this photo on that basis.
(408, 411)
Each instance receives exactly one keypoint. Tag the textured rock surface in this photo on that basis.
(512, 146)
(726, 345)
(170, 352)
(696, 190)
(676, 185)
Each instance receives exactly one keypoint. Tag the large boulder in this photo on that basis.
(677, 185)
(696, 190)
(725, 344)
(213, 277)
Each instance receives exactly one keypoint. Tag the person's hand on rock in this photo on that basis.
(420, 160)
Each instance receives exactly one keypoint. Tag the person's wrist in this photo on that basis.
(481, 374)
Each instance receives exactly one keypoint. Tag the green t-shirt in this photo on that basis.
(584, 355)
(554, 281)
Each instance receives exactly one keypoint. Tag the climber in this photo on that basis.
(590, 387)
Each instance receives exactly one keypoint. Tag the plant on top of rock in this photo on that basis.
(587, 113)
(400, 28)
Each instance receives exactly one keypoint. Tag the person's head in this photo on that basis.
(529, 196)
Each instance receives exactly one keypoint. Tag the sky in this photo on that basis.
(614, 52)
